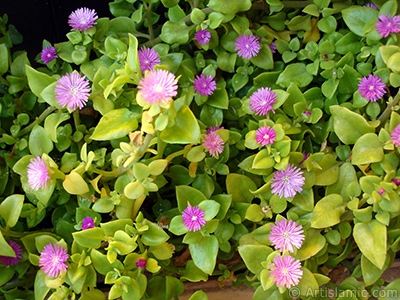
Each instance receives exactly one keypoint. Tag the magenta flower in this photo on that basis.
(247, 46)
(213, 129)
(272, 46)
(387, 25)
(284, 235)
(141, 263)
(372, 5)
(265, 135)
(48, 54)
(395, 136)
(72, 90)
(213, 143)
(288, 182)
(204, 85)
(203, 37)
(396, 181)
(87, 223)
(148, 59)
(158, 87)
(261, 101)
(82, 18)
(286, 271)
(38, 174)
(372, 88)
(193, 218)
(8, 260)
(52, 260)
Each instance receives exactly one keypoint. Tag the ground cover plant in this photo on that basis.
(250, 141)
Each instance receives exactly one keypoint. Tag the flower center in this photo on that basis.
(247, 46)
(285, 270)
(55, 260)
(371, 87)
(266, 137)
(48, 55)
(285, 235)
(285, 180)
(83, 21)
(73, 91)
(158, 88)
(194, 218)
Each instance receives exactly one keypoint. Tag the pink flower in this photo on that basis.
(8, 260)
(193, 218)
(396, 181)
(372, 5)
(48, 54)
(387, 25)
(141, 263)
(214, 128)
(38, 174)
(265, 135)
(395, 136)
(372, 88)
(72, 90)
(261, 101)
(247, 46)
(158, 87)
(82, 18)
(284, 235)
(213, 143)
(286, 271)
(272, 46)
(204, 85)
(87, 223)
(148, 59)
(203, 37)
(287, 182)
(52, 260)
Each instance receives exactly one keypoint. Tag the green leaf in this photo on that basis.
(348, 125)
(204, 254)
(51, 123)
(175, 32)
(391, 291)
(367, 149)
(312, 244)
(39, 142)
(3, 58)
(101, 263)
(188, 195)
(5, 248)
(37, 81)
(41, 289)
(307, 282)
(176, 226)
(239, 186)
(264, 58)
(327, 211)
(74, 184)
(115, 124)
(186, 129)
(210, 208)
(356, 18)
(10, 209)
(199, 295)
(89, 238)
(347, 184)
(371, 238)
(132, 59)
(370, 272)
(134, 190)
(230, 7)
(154, 236)
(295, 74)
(253, 256)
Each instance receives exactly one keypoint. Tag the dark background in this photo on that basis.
(37, 20)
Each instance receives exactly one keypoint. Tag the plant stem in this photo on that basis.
(109, 175)
(137, 205)
(38, 120)
(386, 113)
(148, 16)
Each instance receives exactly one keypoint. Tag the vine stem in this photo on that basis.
(38, 120)
(386, 113)
(148, 17)
(109, 175)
